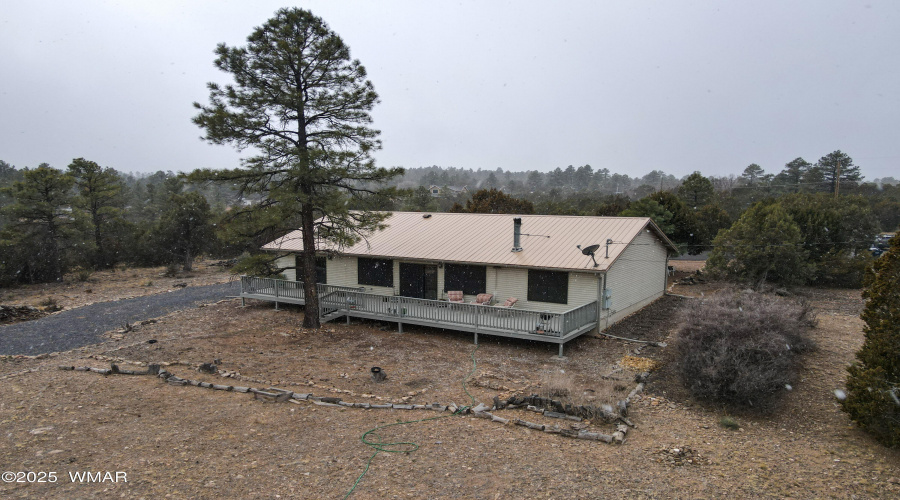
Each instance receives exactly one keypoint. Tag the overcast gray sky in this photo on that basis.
(631, 86)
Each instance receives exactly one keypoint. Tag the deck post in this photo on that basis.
(477, 314)
(561, 349)
(275, 286)
(396, 302)
(243, 304)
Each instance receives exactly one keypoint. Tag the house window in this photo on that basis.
(320, 268)
(472, 280)
(548, 286)
(375, 272)
(321, 273)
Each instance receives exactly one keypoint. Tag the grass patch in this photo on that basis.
(729, 423)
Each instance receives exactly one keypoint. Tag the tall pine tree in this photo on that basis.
(40, 219)
(303, 105)
(100, 197)
(837, 168)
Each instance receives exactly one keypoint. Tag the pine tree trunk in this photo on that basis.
(188, 260)
(99, 259)
(55, 264)
(311, 309)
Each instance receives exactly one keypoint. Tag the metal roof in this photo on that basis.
(548, 241)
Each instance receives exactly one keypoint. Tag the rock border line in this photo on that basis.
(277, 395)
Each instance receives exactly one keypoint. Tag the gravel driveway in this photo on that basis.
(83, 326)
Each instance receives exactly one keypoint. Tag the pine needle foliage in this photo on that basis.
(302, 106)
(873, 384)
(765, 244)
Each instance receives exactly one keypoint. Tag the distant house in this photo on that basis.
(562, 292)
(447, 190)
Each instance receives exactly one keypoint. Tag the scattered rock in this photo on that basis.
(207, 368)
(678, 456)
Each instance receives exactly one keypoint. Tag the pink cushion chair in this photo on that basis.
(484, 299)
(509, 303)
(455, 296)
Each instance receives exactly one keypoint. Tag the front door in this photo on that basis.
(418, 280)
(430, 282)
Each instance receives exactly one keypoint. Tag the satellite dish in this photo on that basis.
(590, 251)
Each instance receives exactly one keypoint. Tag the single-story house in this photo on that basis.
(570, 274)
(451, 190)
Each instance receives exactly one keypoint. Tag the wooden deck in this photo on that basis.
(337, 301)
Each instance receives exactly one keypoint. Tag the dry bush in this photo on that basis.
(563, 387)
(558, 385)
(639, 364)
(172, 270)
(740, 348)
(50, 304)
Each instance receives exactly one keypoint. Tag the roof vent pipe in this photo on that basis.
(517, 234)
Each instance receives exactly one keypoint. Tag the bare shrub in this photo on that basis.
(557, 385)
(601, 393)
(608, 392)
(50, 304)
(740, 348)
(172, 270)
(81, 274)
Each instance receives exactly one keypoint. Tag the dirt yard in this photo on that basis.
(113, 284)
(184, 441)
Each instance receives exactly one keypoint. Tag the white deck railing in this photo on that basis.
(471, 317)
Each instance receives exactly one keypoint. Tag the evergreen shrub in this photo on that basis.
(873, 384)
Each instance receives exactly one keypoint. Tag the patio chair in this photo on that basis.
(455, 296)
(484, 299)
(509, 303)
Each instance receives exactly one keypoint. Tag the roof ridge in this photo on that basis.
(514, 215)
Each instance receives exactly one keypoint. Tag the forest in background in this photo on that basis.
(55, 222)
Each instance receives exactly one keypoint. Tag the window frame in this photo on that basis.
(538, 291)
(372, 276)
(472, 281)
(321, 263)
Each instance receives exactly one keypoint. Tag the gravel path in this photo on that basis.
(83, 326)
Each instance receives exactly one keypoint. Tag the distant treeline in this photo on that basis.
(86, 217)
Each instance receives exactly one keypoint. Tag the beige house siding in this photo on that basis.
(513, 282)
(510, 282)
(503, 282)
(288, 261)
(637, 278)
